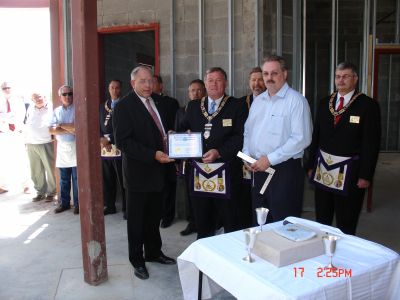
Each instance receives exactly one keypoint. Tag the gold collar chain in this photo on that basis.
(332, 108)
(205, 113)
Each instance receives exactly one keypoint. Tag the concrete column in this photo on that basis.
(86, 96)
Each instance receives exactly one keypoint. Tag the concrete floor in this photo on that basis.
(40, 252)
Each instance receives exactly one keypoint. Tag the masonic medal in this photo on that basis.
(208, 125)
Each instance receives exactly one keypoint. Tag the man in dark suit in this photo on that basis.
(139, 132)
(196, 91)
(220, 119)
(169, 195)
(344, 151)
(111, 156)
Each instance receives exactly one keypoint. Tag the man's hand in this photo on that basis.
(261, 164)
(309, 173)
(210, 156)
(362, 183)
(162, 158)
(104, 143)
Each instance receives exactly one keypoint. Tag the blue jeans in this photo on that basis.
(65, 186)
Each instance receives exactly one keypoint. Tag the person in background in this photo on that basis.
(169, 195)
(40, 149)
(111, 157)
(62, 126)
(196, 91)
(256, 84)
(344, 150)
(13, 157)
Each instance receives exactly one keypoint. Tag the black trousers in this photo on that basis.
(347, 208)
(169, 195)
(112, 179)
(190, 213)
(143, 220)
(284, 194)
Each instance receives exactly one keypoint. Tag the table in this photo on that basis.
(375, 270)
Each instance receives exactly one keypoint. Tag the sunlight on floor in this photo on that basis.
(13, 222)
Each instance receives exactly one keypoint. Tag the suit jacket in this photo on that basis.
(226, 137)
(106, 129)
(171, 105)
(248, 99)
(138, 138)
(349, 137)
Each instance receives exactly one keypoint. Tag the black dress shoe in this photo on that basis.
(188, 230)
(165, 224)
(141, 272)
(110, 210)
(162, 259)
(38, 198)
(61, 209)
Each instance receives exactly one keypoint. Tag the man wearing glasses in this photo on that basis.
(62, 126)
(344, 151)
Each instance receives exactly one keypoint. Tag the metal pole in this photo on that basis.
(172, 48)
(231, 47)
(333, 46)
(397, 38)
(67, 42)
(256, 33)
(388, 102)
(201, 38)
(373, 46)
(295, 54)
(364, 70)
(279, 27)
(303, 77)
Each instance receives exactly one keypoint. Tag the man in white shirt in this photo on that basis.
(277, 131)
(40, 149)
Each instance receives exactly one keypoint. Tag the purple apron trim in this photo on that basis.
(319, 160)
(195, 169)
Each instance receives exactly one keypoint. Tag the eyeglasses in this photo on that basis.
(6, 88)
(344, 77)
(67, 94)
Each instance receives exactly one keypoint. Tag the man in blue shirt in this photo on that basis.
(62, 126)
(277, 131)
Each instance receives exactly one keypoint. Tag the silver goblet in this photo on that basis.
(262, 214)
(330, 248)
(250, 239)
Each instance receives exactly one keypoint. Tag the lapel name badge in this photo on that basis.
(355, 119)
(227, 122)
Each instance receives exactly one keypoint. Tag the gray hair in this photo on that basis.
(346, 65)
(276, 58)
(63, 86)
(137, 69)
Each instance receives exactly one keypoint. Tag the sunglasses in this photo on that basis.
(5, 88)
(67, 94)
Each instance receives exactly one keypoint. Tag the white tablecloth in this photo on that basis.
(375, 270)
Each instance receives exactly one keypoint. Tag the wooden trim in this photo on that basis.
(24, 3)
(138, 28)
(387, 46)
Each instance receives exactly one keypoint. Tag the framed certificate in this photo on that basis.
(185, 145)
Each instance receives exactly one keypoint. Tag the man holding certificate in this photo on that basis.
(276, 133)
(216, 176)
(140, 135)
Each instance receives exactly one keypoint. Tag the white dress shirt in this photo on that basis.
(278, 127)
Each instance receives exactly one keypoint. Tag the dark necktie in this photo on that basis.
(340, 106)
(10, 126)
(157, 121)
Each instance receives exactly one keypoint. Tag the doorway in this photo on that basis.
(122, 49)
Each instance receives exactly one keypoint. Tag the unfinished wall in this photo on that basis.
(129, 12)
